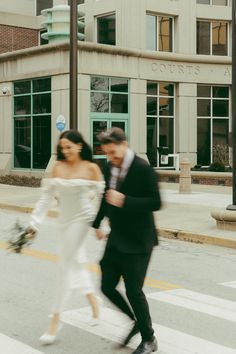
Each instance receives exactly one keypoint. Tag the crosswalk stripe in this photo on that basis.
(114, 326)
(231, 284)
(192, 300)
(12, 346)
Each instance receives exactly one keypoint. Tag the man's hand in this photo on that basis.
(100, 234)
(115, 198)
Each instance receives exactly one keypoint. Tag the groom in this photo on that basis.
(131, 196)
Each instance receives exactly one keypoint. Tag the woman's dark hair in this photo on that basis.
(77, 138)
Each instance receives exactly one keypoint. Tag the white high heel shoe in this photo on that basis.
(47, 339)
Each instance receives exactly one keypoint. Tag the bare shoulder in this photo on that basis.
(57, 168)
(95, 172)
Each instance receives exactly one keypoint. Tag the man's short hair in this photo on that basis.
(112, 136)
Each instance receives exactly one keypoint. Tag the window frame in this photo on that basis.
(211, 36)
(211, 117)
(96, 26)
(31, 116)
(211, 3)
(157, 16)
(158, 116)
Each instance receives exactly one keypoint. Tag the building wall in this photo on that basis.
(15, 38)
(128, 59)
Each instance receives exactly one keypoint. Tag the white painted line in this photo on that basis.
(114, 326)
(195, 301)
(231, 284)
(12, 346)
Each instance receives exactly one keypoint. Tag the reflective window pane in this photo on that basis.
(99, 83)
(220, 108)
(152, 132)
(219, 2)
(203, 142)
(152, 88)
(41, 141)
(99, 102)
(98, 127)
(152, 106)
(166, 89)
(220, 141)
(42, 85)
(106, 29)
(203, 91)
(165, 34)
(205, 2)
(166, 106)
(203, 37)
(119, 103)
(22, 105)
(21, 87)
(151, 32)
(22, 142)
(43, 4)
(221, 91)
(219, 38)
(203, 108)
(119, 85)
(166, 136)
(42, 103)
(118, 124)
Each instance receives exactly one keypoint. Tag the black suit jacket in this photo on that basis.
(132, 226)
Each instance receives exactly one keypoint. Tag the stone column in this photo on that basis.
(185, 177)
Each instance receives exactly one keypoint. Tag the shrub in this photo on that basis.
(217, 167)
(20, 180)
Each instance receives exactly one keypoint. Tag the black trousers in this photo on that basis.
(133, 268)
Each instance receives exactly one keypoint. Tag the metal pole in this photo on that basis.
(73, 64)
(233, 100)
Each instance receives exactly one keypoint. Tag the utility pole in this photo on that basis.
(73, 65)
(233, 206)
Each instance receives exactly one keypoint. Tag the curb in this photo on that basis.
(172, 234)
(196, 238)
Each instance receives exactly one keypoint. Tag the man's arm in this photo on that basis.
(151, 201)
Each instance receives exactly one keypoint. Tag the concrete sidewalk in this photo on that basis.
(183, 216)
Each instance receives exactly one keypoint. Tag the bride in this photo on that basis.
(77, 182)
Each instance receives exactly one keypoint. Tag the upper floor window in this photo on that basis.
(106, 29)
(78, 2)
(159, 33)
(212, 37)
(214, 2)
(43, 4)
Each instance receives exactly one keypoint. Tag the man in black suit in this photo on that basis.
(131, 196)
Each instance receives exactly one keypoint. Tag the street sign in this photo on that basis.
(60, 123)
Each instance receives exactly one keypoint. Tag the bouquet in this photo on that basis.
(21, 237)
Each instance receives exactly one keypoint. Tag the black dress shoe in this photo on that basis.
(131, 334)
(146, 347)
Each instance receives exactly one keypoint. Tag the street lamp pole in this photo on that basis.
(233, 100)
(73, 64)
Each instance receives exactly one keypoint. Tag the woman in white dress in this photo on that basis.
(77, 182)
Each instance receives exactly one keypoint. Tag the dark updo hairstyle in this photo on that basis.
(75, 137)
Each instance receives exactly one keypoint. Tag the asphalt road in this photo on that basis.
(191, 290)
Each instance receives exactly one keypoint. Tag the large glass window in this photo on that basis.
(159, 33)
(106, 29)
(109, 106)
(213, 2)
(212, 123)
(32, 123)
(160, 120)
(212, 37)
(43, 4)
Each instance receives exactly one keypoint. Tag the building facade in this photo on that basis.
(160, 70)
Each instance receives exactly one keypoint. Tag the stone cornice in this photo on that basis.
(115, 50)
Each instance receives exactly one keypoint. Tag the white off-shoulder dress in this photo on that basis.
(79, 200)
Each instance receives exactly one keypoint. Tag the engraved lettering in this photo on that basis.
(181, 69)
(162, 67)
